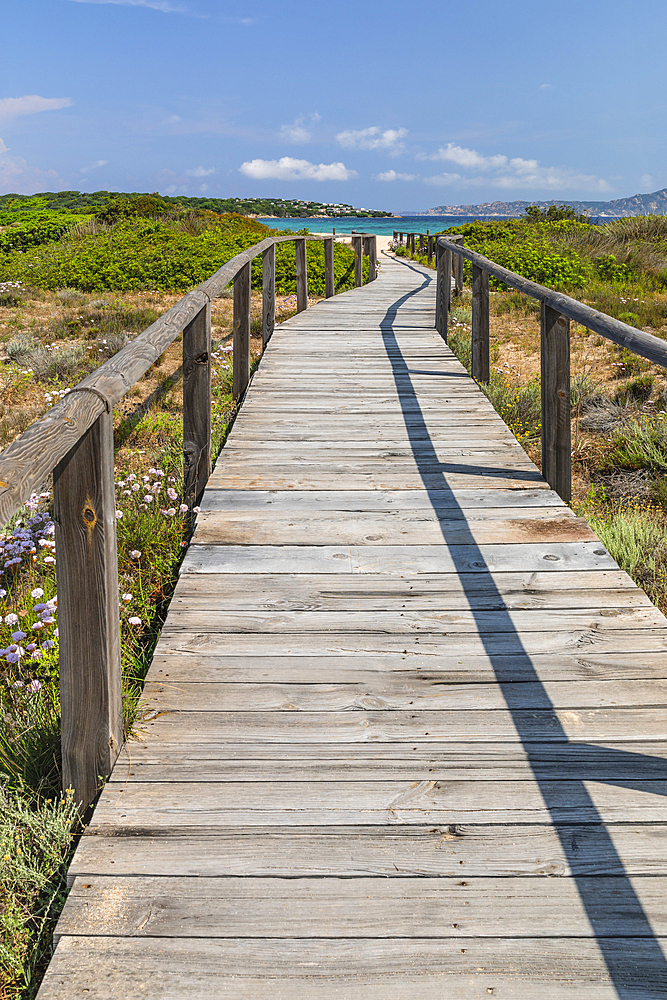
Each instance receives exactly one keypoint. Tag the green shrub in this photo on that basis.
(32, 229)
(637, 389)
(139, 253)
(35, 848)
(636, 539)
(639, 444)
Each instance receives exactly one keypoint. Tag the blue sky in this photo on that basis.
(396, 105)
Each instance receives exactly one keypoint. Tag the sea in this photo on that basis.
(381, 227)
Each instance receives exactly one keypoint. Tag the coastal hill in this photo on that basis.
(638, 204)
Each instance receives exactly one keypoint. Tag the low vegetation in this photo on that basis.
(127, 247)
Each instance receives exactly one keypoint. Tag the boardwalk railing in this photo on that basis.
(557, 310)
(74, 440)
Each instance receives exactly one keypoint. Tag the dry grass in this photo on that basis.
(50, 340)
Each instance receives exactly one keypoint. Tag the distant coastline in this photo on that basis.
(637, 204)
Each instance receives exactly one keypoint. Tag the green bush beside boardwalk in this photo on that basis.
(52, 250)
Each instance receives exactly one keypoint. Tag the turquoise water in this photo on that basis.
(381, 227)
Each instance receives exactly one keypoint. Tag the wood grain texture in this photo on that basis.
(480, 324)
(301, 275)
(268, 293)
(555, 390)
(197, 406)
(461, 969)
(329, 272)
(241, 332)
(438, 908)
(88, 619)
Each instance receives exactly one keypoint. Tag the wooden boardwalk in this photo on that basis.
(409, 726)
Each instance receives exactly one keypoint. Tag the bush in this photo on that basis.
(32, 229)
(139, 253)
(640, 444)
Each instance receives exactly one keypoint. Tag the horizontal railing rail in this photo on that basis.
(557, 309)
(74, 440)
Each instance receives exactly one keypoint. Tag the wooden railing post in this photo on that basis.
(301, 276)
(88, 618)
(443, 288)
(422, 244)
(430, 249)
(358, 261)
(329, 274)
(241, 356)
(372, 258)
(458, 269)
(556, 431)
(196, 406)
(480, 324)
(268, 293)
(395, 235)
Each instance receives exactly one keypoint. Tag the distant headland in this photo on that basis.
(637, 204)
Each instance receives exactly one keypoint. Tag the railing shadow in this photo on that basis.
(640, 960)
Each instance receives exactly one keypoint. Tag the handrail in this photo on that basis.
(74, 439)
(557, 309)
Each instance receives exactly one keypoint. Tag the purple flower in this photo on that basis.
(11, 619)
(34, 687)
(134, 620)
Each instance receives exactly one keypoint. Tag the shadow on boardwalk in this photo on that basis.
(640, 956)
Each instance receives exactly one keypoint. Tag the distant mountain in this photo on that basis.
(638, 204)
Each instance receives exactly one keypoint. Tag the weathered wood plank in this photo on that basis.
(90, 669)
(439, 908)
(420, 690)
(431, 624)
(435, 969)
(204, 665)
(539, 724)
(620, 763)
(398, 559)
(380, 500)
(197, 406)
(391, 851)
(222, 528)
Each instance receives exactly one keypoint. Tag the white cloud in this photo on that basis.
(391, 175)
(164, 5)
(505, 172)
(466, 157)
(287, 168)
(297, 132)
(444, 179)
(15, 107)
(546, 86)
(647, 181)
(200, 171)
(93, 166)
(17, 177)
(373, 138)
